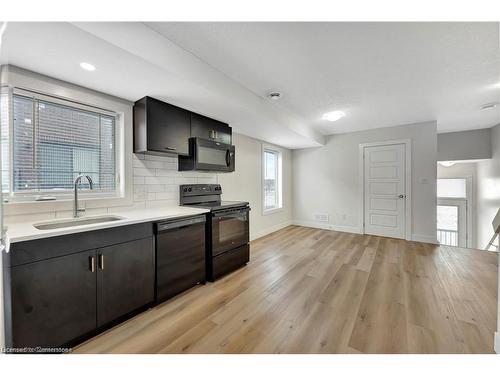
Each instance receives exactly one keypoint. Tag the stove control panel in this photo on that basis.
(200, 189)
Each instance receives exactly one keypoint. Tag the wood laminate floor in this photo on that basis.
(308, 290)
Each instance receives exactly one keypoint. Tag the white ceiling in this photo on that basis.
(379, 74)
(133, 60)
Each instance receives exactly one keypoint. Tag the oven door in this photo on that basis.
(229, 229)
(213, 156)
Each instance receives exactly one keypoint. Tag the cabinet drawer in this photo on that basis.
(229, 261)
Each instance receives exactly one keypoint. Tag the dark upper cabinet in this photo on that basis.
(125, 279)
(53, 301)
(160, 127)
(207, 128)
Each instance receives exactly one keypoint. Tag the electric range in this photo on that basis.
(227, 228)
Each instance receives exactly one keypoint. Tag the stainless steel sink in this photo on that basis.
(75, 222)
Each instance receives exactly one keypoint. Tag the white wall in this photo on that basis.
(326, 179)
(488, 194)
(246, 184)
(459, 170)
(464, 145)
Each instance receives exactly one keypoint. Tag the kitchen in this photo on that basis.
(220, 188)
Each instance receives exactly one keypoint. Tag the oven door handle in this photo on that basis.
(232, 213)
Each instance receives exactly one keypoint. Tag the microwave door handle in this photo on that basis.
(228, 158)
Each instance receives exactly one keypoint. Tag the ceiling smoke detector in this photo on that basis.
(274, 95)
(484, 107)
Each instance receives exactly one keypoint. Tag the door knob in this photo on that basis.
(401, 196)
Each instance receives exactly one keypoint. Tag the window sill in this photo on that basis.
(272, 211)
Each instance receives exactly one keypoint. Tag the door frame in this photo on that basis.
(459, 203)
(408, 199)
(469, 207)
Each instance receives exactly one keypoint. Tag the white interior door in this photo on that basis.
(385, 190)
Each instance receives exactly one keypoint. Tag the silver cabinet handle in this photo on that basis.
(101, 261)
(92, 264)
(401, 196)
(170, 148)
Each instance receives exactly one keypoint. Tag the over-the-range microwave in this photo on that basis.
(207, 155)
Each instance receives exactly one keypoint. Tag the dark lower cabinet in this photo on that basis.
(57, 301)
(53, 301)
(125, 279)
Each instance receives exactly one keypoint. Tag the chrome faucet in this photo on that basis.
(76, 210)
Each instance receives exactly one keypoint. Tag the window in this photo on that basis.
(272, 190)
(54, 141)
(451, 187)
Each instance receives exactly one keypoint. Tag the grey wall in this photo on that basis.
(326, 179)
(465, 145)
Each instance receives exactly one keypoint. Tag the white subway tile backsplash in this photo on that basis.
(144, 172)
(155, 188)
(139, 180)
(185, 180)
(157, 180)
(139, 188)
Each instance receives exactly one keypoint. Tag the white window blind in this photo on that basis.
(272, 183)
(452, 187)
(4, 137)
(53, 143)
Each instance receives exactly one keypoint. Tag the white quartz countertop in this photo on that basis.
(25, 231)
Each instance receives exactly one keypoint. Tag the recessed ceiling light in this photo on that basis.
(488, 106)
(87, 66)
(333, 116)
(274, 95)
(446, 163)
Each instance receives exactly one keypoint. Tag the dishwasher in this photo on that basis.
(180, 255)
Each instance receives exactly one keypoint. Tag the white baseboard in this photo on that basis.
(338, 228)
(496, 344)
(352, 229)
(424, 238)
(271, 229)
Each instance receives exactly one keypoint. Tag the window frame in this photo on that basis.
(471, 235)
(279, 178)
(60, 194)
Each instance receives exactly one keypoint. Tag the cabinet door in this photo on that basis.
(207, 128)
(125, 279)
(53, 301)
(180, 260)
(168, 127)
